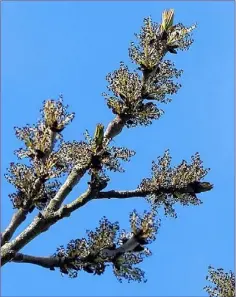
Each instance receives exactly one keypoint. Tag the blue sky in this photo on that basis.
(50, 48)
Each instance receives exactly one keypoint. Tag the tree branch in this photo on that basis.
(67, 209)
(123, 194)
(115, 127)
(109, 255)
(40, 224)
(191, 188)
(46, 262)
(15, 222)
(21, 214)
(117, 124)
(74, 177)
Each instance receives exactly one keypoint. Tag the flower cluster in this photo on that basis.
(149, 50)
(31, 189)
(103, 236)
(40, 139)
(180, 37)
(162, 83)
(130, 92)
(128, 272)
(178, 184)
(88, 254)
(85, 252)
(125, 84)
(74, 153)
(128, 101)
(37, 141)
(127, 87)
(109, 157)
(224, 283)
(147, 223)
(55, 115)
(154, 43)
(53, 167)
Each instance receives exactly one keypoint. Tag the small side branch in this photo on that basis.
(16, 220)
(46, 262)
(122, 194)
(191, 188)
(108, 255)
(115, 127)
(66, 210)
(74, 177)
(42, 223)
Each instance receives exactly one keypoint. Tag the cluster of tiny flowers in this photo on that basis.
(180, 176)
(25, 180)
(86, 254)
(162, 83)
(53, 167)
(130, 91)
(74, 153)
(129, 273)
(127, 88)
(103, 236)
(224, 283)
(151, 48)
(149, 51)
(144, 115)
(111, 160)
(55, 114)
(165, 181)
(37, 140)
(111, 155)
(77, 251)
(181, 36)
(125, 84)
(77, 248)
(147, 223)
(21, 176)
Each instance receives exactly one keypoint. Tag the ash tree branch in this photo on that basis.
(116, 126)
(122, 194)
(191, 188)
(67, 209)
(15, 222)
(72, 180)
(51, 262)
(46, 262)
(20, 215)
(55, 212)
(42, 223)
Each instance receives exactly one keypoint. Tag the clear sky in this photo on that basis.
(50, 48)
